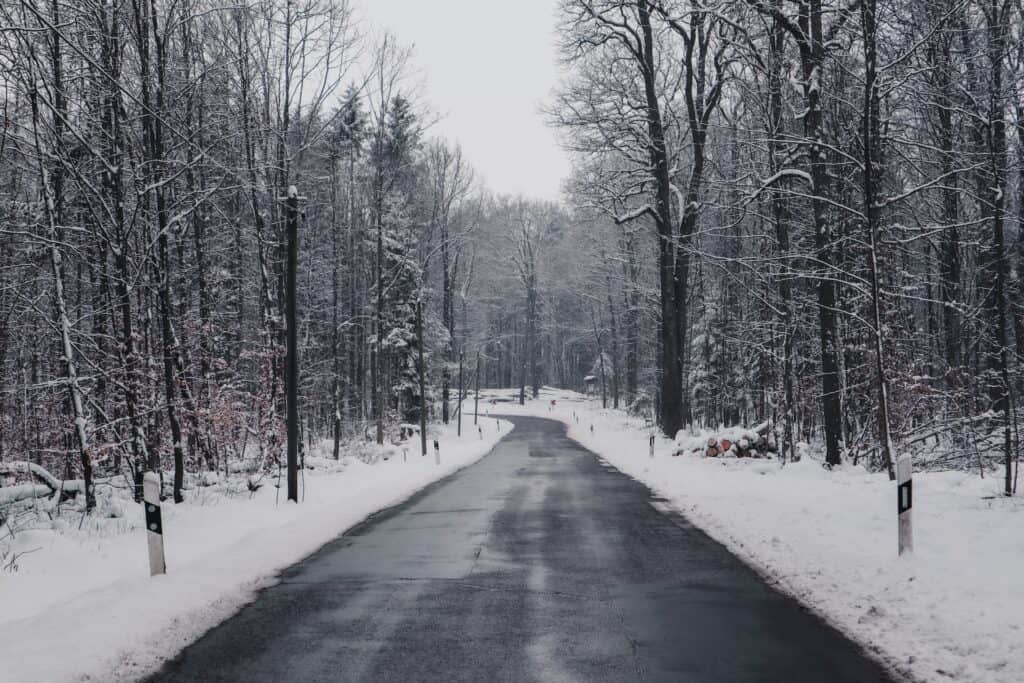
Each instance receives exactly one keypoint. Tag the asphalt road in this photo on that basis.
(539, 563)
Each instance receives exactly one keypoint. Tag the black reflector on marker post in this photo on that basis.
(154, 523)
(905, 497)
(904, 502)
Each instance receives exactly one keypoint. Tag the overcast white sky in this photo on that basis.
(487, 67)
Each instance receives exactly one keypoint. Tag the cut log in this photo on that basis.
(741, 442)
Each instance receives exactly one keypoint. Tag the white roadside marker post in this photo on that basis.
(480, 429)
(904, 501)
(652, 445)
(437, 452)
(154, 525)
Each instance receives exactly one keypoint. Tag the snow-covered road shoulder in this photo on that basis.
(952, 611)
(82, 606)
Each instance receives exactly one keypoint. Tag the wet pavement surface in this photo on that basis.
(539, 563)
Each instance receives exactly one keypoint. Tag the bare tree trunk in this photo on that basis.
(422, 377)
(671, 375)
(335, 332)
(780, 218)
(376, 357)
(292, 369)
(113, 187)
(949, 246)
(51, 189)
(631, 317)
(615, 345)
(446, 315)
(153, 149)
(531, 331)
(872, 166)
(812, 60)
(600, 356)
(997, 13)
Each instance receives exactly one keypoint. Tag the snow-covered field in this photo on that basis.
(952, 611)
(81, 605)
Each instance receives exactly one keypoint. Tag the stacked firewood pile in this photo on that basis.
(734, 442)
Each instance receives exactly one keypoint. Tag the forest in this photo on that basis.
(802, 212)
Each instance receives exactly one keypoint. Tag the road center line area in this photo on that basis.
(536, 564)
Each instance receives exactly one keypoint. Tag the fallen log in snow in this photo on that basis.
(19, 492)
(48, 485)
(39, 473)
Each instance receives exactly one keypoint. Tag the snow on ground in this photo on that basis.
(952, 611)
(82, 606)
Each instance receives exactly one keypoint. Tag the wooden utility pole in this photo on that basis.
(292, 371)
(423, 372)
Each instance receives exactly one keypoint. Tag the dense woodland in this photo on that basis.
(804, 212)
(835, 190)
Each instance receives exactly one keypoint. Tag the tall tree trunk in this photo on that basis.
(335, 322)
(631, 317)
(292, 367)
(994, 198)
(53, 203)
(940, 59)
(872, 167)
(153, 88)
(531, 332)
(812, 54)
(376, 358)
(447, 318)
(1018, 293)
(780, 218)
(615, 344)
(671, 371)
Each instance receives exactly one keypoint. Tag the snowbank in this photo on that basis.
(81, 605)
(952, 611)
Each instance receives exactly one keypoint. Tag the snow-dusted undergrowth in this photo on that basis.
(952, 611)
(81, 605)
